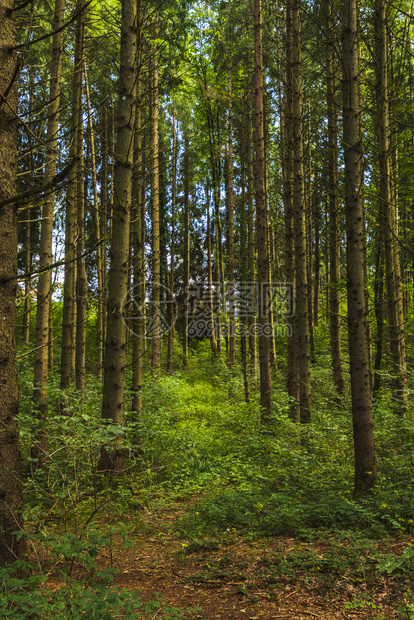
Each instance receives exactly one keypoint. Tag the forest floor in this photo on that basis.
(236, 579)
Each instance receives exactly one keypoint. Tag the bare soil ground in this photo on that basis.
(237, 580)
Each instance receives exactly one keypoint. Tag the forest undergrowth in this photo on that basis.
(198, 449)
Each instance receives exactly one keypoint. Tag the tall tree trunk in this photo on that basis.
(230, 192)
(261, 214)
(99, 250)
(211, 319)
(44, 290)
(115, 348)
(186, 257)
(251, 240)
(292, 374)
(333, 197)
(28, 228)
(379, 311)
(364, 447)
(11, 502)
(299, 216)
(104, 217)
(69, 305)
(81, 282)
(171, 310)
(244, 261)
(307, 199)
(156, 257)
(388, 214)
(138, 236)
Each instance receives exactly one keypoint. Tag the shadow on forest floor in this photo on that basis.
(240, 579)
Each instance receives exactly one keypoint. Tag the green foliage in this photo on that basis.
(24, 594)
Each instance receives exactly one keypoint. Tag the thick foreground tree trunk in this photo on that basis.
(10, 477)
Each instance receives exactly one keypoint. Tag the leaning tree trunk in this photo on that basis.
(10, 475)
(364, 448)
(115, 362)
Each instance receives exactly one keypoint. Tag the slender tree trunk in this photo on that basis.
(379, 311)
(28, 228)
(388, 212)
(81, 282)
(104, 218)
(69, 306)
(364, 448)
(292, 374)
(99, 250)
(44, 289)
(50, 356)
(299, 215)
(172, 250)
(186, 257)
(307, 198)
(261, 214)
(244, 262)
(113, 399)
(334, 241)
(317, 254)
(211, 319)
(251, 241)
(231, 263)
(11, 503)
(138, 236)
(156, 260)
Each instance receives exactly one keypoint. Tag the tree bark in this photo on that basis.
(261, 215)
(100, 248)
(156, 257)
(44, 287)
(333, 197)
(211, 318)
(230, 192)
(299, 217)
(364, 447)
(171, 312)
(138, 237)
(10, 473)
(115, 348)
(81, 282)
(186, 257)
(251, 241)
(388, 215)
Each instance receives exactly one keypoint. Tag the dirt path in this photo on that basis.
(239, 580)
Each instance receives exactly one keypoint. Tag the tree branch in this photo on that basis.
(17, 198)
